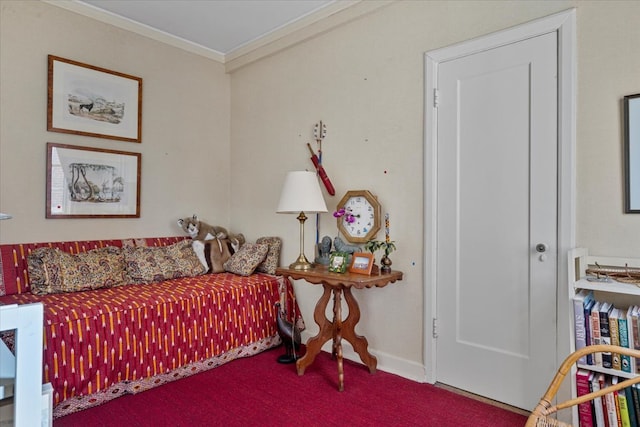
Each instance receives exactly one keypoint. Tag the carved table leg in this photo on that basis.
(359, 343)
(337, 335)
(314, 345)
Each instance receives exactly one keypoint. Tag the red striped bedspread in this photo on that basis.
(102, 343)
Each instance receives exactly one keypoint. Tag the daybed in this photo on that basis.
(102, 343)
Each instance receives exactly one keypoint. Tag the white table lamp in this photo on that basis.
(301, 193)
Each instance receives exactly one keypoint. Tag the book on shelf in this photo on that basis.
(620, 408)
(625, 360)
(598, 411)
(613, 408)
(603, 401)
(624, 419)
(636, 336)
(614, 316)
(595, 331)
(587, 327)
(633, 418)
(580, 301)
(630, 336)
(585, 412)
(635, 394)
(605, 333)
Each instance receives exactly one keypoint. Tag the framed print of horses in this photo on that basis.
(85, 182)
(92, 101)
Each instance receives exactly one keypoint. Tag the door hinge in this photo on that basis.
(436, 99)
(434, 328)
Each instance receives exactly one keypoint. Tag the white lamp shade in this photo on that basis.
(301, 193)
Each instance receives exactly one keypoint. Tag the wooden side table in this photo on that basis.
(337, 329)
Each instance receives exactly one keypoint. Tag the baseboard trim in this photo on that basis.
(386, 362)
(483, 399)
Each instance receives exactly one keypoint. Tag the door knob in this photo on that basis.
(541, 248)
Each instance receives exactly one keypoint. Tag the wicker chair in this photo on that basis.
(543, 414)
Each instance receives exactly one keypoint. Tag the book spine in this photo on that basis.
(613, 411)
(605, 335)
(635, 393)
(632, 360)
(616, 401)
(598, 415)
(615, 338)
(587, 328)
(595, 332)
(636, 339)
(605, 407)
(594, 418)
(582, 388)
(579, 325)
(625, 360)
(624, 410)
(633, 420)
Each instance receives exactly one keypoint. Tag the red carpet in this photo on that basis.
(257, 391)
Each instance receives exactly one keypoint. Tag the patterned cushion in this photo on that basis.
(54, 271)
(270, 263)
(248, 257)
(156, 264)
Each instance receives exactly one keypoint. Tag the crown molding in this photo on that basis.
(311, 25)
(319, 22)
(136, 27)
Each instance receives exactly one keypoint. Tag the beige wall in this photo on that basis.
(185, 132)
(365, 80)
(225, 157)
(608, 69)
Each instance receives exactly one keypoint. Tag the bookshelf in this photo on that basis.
(609, 287)
(621, 295)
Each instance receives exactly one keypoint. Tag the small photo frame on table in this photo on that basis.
(361, 263)
(92, 101)
(338, 262)
(85, 182)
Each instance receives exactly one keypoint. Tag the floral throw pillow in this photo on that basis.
(54, 271)
(156, 264)
(272, 259)
(248, 257)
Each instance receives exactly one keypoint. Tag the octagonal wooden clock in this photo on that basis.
(365, 213)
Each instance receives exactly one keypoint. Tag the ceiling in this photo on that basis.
(221, 26)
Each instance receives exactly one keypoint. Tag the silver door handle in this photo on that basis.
(541, 248)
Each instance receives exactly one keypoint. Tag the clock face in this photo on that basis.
(362, 214)
(363, 211)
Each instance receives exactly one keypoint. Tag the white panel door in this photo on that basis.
(496, 203)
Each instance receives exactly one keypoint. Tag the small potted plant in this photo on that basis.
(388, 247)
